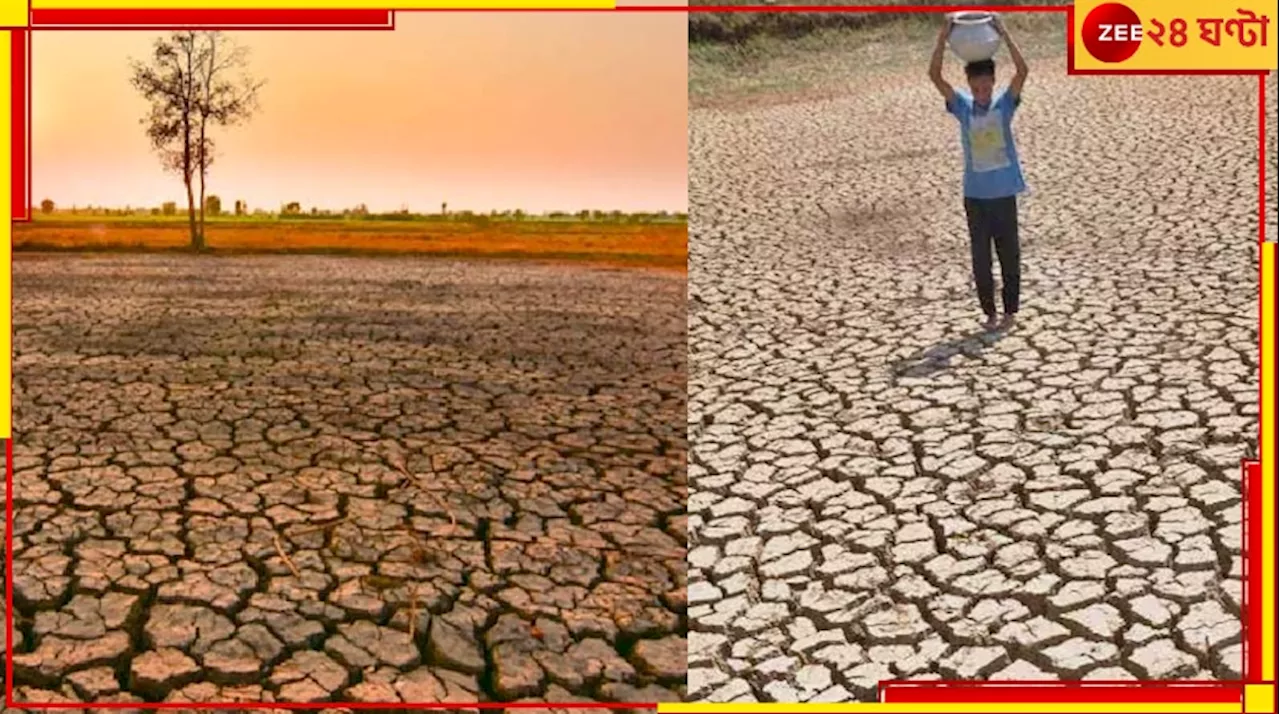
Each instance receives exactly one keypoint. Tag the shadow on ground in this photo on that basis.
(937, 358)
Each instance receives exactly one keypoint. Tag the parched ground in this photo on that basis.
(315, 478)
(880, 492)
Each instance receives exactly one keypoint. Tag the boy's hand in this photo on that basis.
(935, 62)
(998, 23)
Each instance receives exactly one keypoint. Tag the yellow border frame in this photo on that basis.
(6, 232)
(1267, 453)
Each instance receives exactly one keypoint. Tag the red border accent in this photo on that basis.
(20, 119)
(850, 8)
(1038, 692)
(1253, 544)
(935, 691)
(230, 19)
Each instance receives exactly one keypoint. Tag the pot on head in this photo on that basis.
(973, 36)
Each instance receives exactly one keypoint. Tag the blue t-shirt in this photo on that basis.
(991, 166)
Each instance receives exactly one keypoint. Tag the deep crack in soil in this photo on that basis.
(324, 478)
(876, 492)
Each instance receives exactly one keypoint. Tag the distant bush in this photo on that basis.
(293, 211)
(393, 216)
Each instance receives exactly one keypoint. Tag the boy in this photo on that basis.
(992, 173)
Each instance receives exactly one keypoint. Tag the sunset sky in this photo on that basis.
(562, 111)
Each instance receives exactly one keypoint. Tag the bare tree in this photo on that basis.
(228, 96)
(167, 81)
(187, 82)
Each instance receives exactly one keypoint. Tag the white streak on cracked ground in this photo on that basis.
(876, 494)
(182, 421)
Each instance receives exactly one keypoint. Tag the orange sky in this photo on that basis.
(560, 111)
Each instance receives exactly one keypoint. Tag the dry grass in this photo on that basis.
(823, 59)
(740, 27)
(658, 245)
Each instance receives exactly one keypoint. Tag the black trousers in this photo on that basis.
(994, 221)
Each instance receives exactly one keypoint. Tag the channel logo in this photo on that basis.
(1177, 35)
(1112, 32)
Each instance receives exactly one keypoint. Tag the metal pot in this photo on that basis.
(973, 36)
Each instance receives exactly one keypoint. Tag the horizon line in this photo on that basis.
(37, 209)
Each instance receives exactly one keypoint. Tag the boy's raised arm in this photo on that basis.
(1019, 63)
(935, 63)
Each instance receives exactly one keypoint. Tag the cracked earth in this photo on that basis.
(311, 479)
(880, 492)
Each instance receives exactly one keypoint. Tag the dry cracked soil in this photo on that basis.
(312, 479)
(878, 491)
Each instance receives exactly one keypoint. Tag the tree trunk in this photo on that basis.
(203, 112)
(202, 182)
(197, 238)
